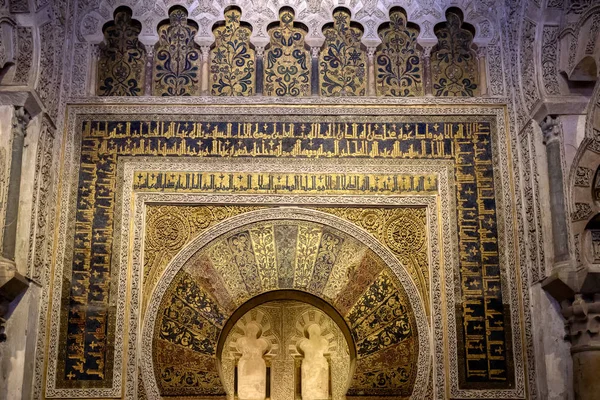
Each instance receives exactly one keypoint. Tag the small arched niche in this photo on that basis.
(286, 345)
(591, 240)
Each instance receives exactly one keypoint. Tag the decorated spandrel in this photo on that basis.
(121, 66)
(287, 69)
(176, 56)
(398, 66)
(453, 62)
(232, 58)
(266, 256)
(342, 60)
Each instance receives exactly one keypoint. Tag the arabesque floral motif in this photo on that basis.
(176, 57)
(121, 67)
(287, 61)
(342, 60)
(453, 62)
(397, 60)
(232, 59)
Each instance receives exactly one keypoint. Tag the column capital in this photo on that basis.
(314, 50)
(550, 129)
(582, 317)
(20, 120)
(427, 50)
(481, 51)
(95, 49)
(149, 49)
(205, 51)
(260, 51)
(371, 51)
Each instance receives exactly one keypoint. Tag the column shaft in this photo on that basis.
(551, 129)
(204, 87)
(20, 120)
(371, 72)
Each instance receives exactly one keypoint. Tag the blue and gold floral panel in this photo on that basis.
(287, 69)
(176, 56)
(453, 63)
(121, 66)
(232, 58)
(342, 60)
(398, 65)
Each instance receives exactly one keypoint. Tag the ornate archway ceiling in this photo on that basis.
(287, 254)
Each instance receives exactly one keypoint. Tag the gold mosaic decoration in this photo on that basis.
(176, 56)
(453, 63)
(248, 261)
(402, 230)
(342, 59)
(169, 228)
(464, 143)
(122, 61)
(232, 58)
(287, 65)
(398, 66)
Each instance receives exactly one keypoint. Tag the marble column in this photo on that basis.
(260, 52)
(204, 87)
(149, 73)
(481, 59)
(426, 74)
(93, 70)
(314, 77)
(371, 81)
(552, 139)
(12, 283)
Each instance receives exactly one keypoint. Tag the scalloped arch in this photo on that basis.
(314, 13)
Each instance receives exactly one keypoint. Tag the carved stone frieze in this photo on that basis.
(583, 176)
(593, 35)
(578, 6)
(531, 206)
(550, 59)
(494, 61)
(18, 6)
(52, 41)
(529, 87)
(24, 55)
(40, 236)
(556, 4)
(581, 212)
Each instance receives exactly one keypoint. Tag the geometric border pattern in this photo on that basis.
(511, 277)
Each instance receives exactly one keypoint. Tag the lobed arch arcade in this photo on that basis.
(287, 61)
